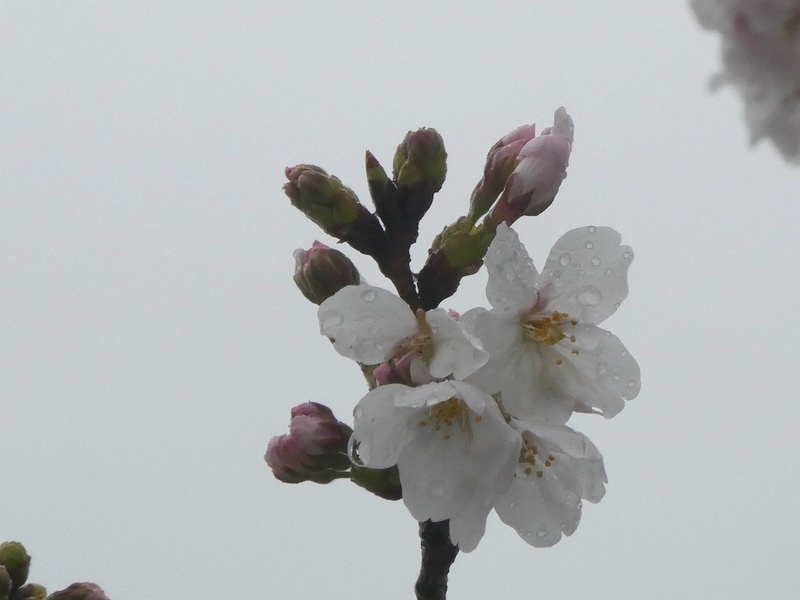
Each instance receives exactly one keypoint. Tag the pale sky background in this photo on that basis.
(152, 340)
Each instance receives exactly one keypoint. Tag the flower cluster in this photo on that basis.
(761, 57)
(467, 412)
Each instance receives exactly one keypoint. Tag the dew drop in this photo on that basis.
(627, 255)
(528, 534)
(352, 452)
(623, 353)
(331, 320)
(601, 369)
(368, 296)
(609, 271)
(541, 533)
(512, 505)
(615, 378)
(592, 229)
(631, 384)
(589, 245)
(564, 259)
(589, 298)
(596, 261)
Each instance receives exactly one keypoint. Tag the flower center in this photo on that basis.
(547, 329)
(530, 461)
(449, 414)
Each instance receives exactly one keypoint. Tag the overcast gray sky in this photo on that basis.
(152, 340)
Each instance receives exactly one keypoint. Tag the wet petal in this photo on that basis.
(511, 287)
(586, 274)
(365, 322)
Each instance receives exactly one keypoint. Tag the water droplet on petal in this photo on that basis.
(624, 353)
(596, 261)
(627, 255)
(631, 384)
(541, 533)
(601, 369)
(352, 451)
(368, 296)
(589, 245)
(512, 505)
(609, 271)
(564, 259)
(589, 298)
(592, 229)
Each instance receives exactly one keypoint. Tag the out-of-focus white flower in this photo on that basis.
(557, 467)
(761, 57)
(371, 325)
(541, 167)
(547, 356)
(452, 446)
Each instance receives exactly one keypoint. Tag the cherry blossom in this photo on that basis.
(452, 446)
(557, 468)
(547, 355)
(371, 325)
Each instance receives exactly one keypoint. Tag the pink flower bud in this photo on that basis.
(500, 162)
(286, 459)
(541, 167)
(318, 434)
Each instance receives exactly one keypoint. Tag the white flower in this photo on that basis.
(547, 356)
(761, 57)
(557, 467)
(371, 325)
(452, 446)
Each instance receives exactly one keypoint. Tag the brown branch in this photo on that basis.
(438, 554)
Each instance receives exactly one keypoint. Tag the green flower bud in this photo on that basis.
(321, 271)
(420, 161)
(16, 561)
(5, 583)
(419, 170)
(322, 198)
(31, 591)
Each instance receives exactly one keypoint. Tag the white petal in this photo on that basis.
(586, 274)
(528, 391)
(501, 337)
(602, 375)
(381, 429)
(365, 322)
(456, 352)
(540, 510)
(449, 472)
(511, 287)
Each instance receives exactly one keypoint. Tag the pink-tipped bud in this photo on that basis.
(320, 272)
(287, 460)
(541, 167)
(500, 163)
(399, 370)
(316, 431)
(80, 591)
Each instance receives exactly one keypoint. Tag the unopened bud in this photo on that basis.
(315, 448)
(500, 163)
(419, 169)
(315, 430)
(31, 591)
(80, 591)
(16, 561)
(541, 167)
(320, 272)
(322, 198)
(5, 583)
